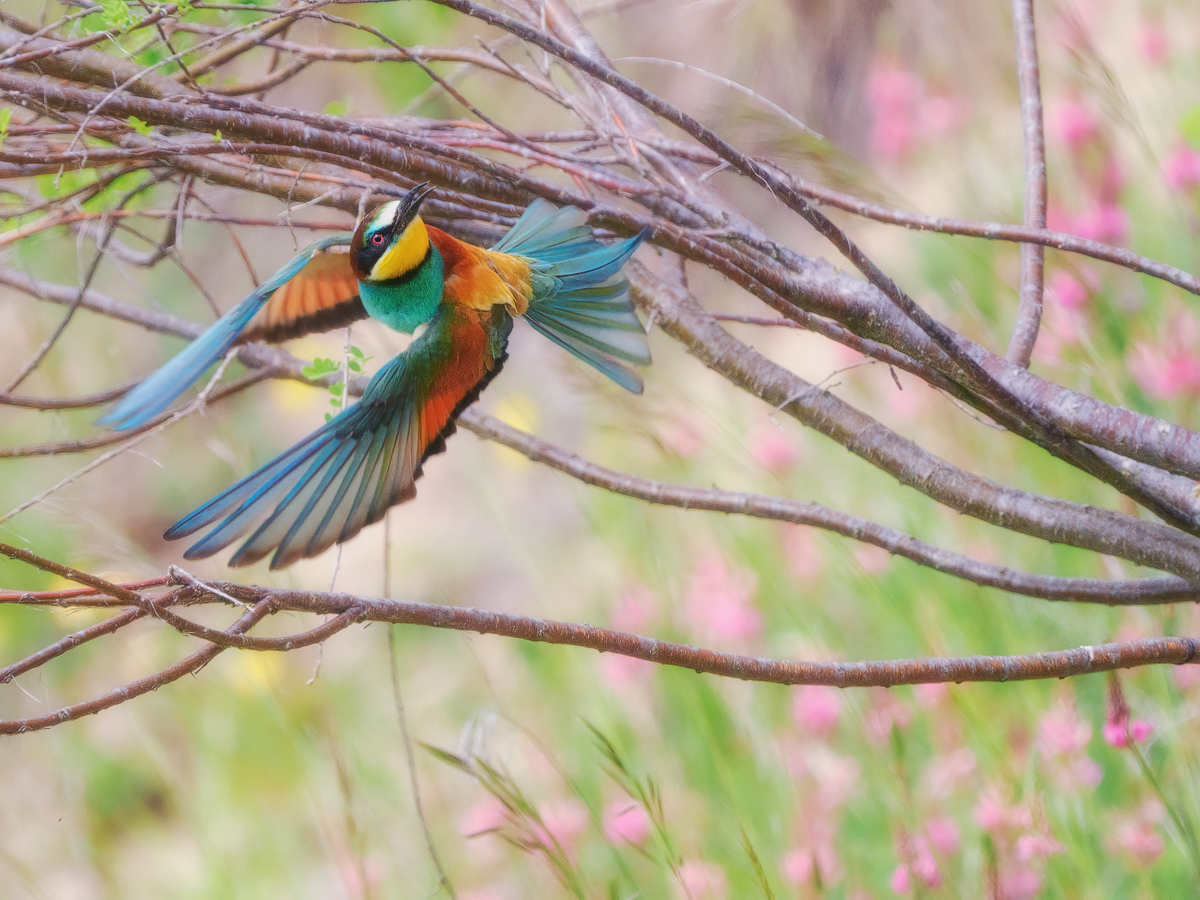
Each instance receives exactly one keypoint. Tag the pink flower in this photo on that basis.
(802, 863)
(1061, 732)
(488, 815)
(1062, 739)
(1182, 169)
(798, 866)
(1169, 368)
(1153, 42)
(947, 770)
(1072, 123)
(699, 880)
(626, 822)
(1020, 884)
(815, 709)
(719, 603)
(1116, 734)
(925, 866)
(1069, 293)
(885, 713)
(1031, 846)
(773, 449)
(922, 865)
(994, 815)
(1140, 840)
(944, 835)
(893, 94)
(1106, 222)
(563, 821)
(1140, 730)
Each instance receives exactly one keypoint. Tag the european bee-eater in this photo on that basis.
(549, 269)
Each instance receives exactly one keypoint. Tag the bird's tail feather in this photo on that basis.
(580, 298)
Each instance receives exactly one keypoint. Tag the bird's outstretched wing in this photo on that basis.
(346, 474)
(315, 291)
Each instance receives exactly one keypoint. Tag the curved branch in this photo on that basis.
(799, 512)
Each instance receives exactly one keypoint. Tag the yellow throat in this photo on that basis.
(404, 255)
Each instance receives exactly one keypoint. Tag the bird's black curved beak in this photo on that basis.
(410, 205)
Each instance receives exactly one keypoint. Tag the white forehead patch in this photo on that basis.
(384, 216)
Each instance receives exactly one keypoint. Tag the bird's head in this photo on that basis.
(392, 240)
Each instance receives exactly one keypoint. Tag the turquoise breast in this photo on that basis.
(408, 301)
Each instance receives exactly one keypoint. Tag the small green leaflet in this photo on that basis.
(140, 127)
(322, 366)
(116, 14)
(5, 118)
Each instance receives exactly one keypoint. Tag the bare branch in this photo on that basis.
(1029, 314)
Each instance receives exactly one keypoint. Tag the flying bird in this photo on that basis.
(548, 269)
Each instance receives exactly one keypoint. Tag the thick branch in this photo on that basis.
(1059, 521)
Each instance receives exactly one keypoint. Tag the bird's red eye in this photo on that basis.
(377, 239)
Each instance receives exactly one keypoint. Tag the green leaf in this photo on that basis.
(1190, 126)
(140, 127)
(217, 135)
(336, 108)
(116, 14)
(320, 366)
(5, 118)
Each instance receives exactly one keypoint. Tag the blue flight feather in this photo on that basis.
(162, 388)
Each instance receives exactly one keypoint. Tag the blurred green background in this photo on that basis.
(271, 775)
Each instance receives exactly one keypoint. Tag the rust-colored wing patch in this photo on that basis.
(322, 296)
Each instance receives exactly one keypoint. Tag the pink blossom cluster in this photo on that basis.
(824, 780)
(1137, 836)
(1072, 123)
(906, 113)
(626, 822)
(1062, 741)
(1182, 169)
(1168, 368)
(940, 838)
(698, 879)
(1118, 730)
(1023, 843)
(719, 605)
